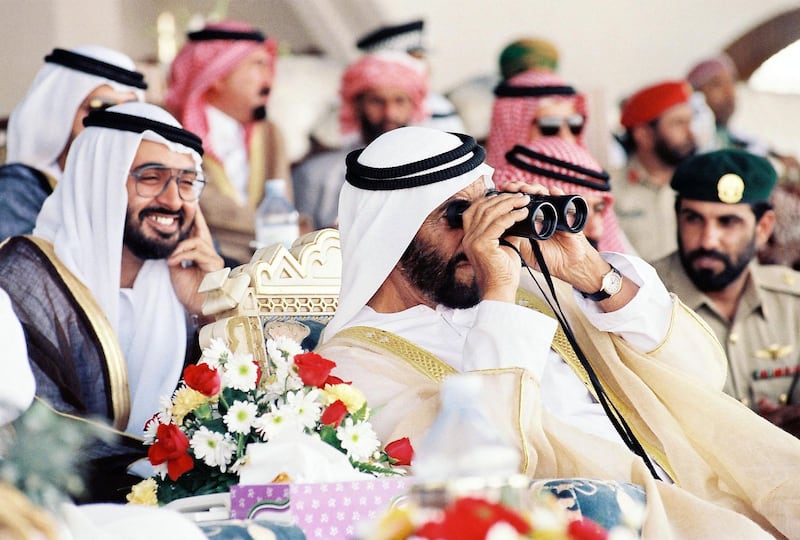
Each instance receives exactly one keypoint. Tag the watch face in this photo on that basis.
(612, 282)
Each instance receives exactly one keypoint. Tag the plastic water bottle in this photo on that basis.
(462, 442)
(276, 219)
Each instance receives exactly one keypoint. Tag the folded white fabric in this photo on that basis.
(302, 457)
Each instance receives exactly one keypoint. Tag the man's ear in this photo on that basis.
(764, 227)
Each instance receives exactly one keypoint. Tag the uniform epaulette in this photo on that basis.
(779, 278)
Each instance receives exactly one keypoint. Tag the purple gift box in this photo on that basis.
(322, 510)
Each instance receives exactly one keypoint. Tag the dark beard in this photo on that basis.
(436, 278)
(260, 113)
(706, 280)
(146, 248)
(670, 155)
(370, 131)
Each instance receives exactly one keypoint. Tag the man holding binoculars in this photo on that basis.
(423, 297)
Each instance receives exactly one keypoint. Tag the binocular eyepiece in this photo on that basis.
(546, 215)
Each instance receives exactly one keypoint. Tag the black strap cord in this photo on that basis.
(616, 418)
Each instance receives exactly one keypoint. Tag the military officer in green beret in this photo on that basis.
(724, 217)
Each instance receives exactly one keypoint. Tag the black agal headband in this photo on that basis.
(210, 34)
(504, 90)
(580, 176)
(93, 66)
(408, 175)
(137, 124)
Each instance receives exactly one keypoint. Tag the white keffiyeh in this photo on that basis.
(376, 227)
(84, 218)
(40, 125)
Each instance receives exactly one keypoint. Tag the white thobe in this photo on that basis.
(500, 334)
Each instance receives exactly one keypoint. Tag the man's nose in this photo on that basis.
(710, 237)
(594, 226)
(170, 197)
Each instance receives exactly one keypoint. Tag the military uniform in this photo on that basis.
(763, 340)
(645, 211)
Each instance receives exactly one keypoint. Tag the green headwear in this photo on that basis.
(528, 53)
(728, 176)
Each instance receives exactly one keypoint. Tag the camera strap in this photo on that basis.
(616, 418)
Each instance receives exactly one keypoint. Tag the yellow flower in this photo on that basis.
(185, 401)
(144, 493)
(352, 397)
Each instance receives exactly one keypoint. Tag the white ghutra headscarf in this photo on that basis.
(84, 218)
(40, 125)
(376, 224)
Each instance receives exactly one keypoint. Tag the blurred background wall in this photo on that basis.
(608, 49)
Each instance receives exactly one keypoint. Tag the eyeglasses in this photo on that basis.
(153, 180)
(549, 126)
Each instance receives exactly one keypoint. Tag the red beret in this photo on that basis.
(649, 103)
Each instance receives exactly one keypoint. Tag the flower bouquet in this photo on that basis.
(198, 440)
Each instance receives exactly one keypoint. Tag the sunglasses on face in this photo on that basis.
(549, 126)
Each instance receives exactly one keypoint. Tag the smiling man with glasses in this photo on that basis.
(70, 85)
(106, 287)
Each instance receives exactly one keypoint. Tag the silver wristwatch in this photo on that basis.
(610, 285)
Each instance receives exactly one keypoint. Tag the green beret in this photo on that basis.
(728, 176)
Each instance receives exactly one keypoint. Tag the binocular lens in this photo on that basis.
(546, 214)
(539, 225)
(572, 212)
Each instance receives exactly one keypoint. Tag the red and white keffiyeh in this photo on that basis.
(385, 69)
(561, 149)
(512, 116)
(198, 65)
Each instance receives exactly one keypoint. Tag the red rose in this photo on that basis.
(313, 369)
(171, 446)
(334, 413)
(586, 529)
(334, 380)
(400, 451)
(202, 378)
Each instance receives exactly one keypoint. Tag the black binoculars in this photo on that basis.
(546, 215)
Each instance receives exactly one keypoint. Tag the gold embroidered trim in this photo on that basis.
(117, 370)
(423, 361)
(257, 157)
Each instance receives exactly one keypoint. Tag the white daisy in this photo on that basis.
(240, 416)
(216, 352)
(240, 372)
(279, 419)
(358, 440)
(285, 379)
(306, 406)
(282, 347)
(214, 448)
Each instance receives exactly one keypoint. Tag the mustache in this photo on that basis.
(709, 253)
(459, 257)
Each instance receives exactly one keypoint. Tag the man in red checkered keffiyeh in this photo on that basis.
(379, 92)
(527, 100)
(374, 74)
(219, 84)
(555, 162)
